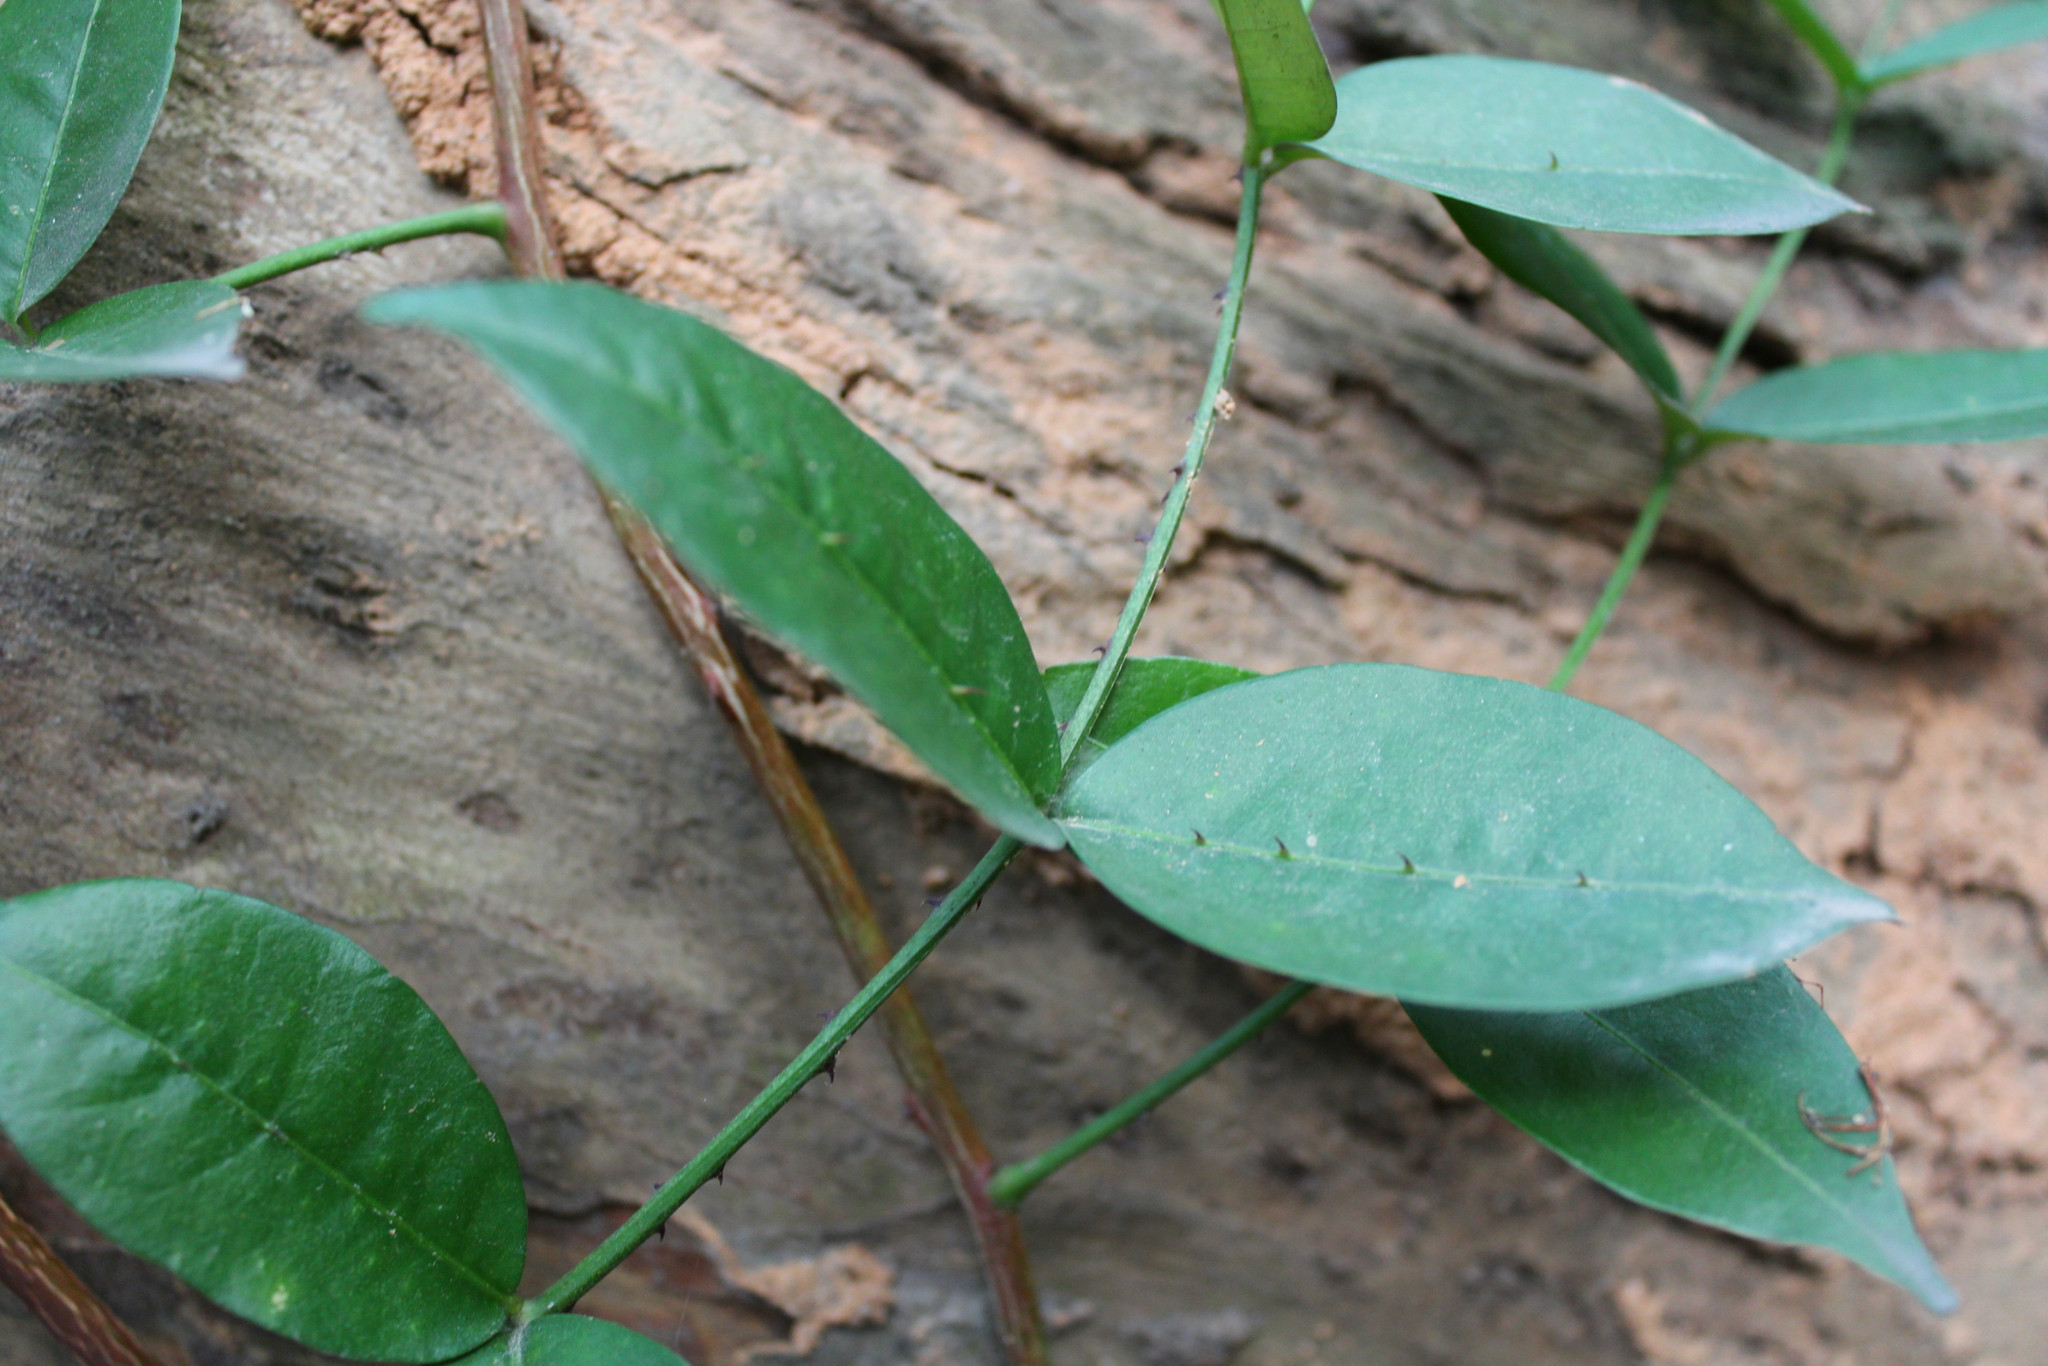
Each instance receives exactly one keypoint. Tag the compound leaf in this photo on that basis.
(572, 1340)
(1144, 688)
(1447, 839)
(1692, 1105)
(1895, 397)
(1821, 41)
(254, 1102)
(764, 487)
(1288, 94)
(1993, 30)
(1572, 148)
(81, 82)
(1540, 258)
(183, 330)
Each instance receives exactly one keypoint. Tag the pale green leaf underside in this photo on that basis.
(767, 490)
(1572, 148)
(1895, 397)
(252, 1101)
(184, 330)
(1288, 94)
(81, 82)
(1501, 796)
(1993, 30)
(572, 1340)
(1691, 1105)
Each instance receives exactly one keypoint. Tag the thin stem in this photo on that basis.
(485, 220)
(530, 239)
(693, 619)
(80, 1321)
(814, 1059)
(1010, 1185)
(1847, 106)
(1624, 572)
(1680, 449)
(1104, 678)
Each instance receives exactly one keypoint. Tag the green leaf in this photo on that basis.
(253, 1102)
(1447, 839)
(1144, 688)
(1542, 259)
(1288, 94)
(81, 82)
(1895, 397)
(1821, 40)
(1691, 1105)
(1572, 148)
(764, 487)
(183, 330)
(1990, 31)
(572, 1340)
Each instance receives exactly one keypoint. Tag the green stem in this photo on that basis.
(1104, 678)
(711, 1161)
(1847, 106)
(1009, 1186)
(485, 220)
(817, 1055)
(1624, 571)
(1681, 449)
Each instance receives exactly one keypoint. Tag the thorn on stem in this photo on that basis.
(1407, 866)
(831, 1068)
(1582, 879)
(1283, 847)
(1143, 538)
(1102, 649)
(1199, 839)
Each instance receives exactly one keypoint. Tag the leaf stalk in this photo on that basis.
(485, 220)
(1009, 1186)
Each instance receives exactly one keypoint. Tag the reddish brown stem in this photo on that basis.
(693, 619)
(77, 1318)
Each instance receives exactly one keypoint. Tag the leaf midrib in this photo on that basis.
(266, 1127)
(1734, 1122)
(1561, 172)
(855, 571)
(1421, 874)
(36, 219)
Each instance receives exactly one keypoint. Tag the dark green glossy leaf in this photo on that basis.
(1894, 397)
(1288, 94)
(1993, 30)
(1542, 259)
(81, 82)
(1572, 148)
(1144, 688)
(1562, 856)
(766, 489)
(252, 1101)
(1821, 41)
(572, 1340)
(183, 330)
(1691, 1105)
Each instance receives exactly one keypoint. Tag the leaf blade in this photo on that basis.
(1145, 688)
(1424, 835)
(1541, 259)
(1691, 1105)
(1821, 41)
(1992, 30)
(253, 1102)
(1281, 72)
(573, 1340)
(1571, 148)
(183, 330)
(1895, 397)
(768, 490)
(81, 82)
